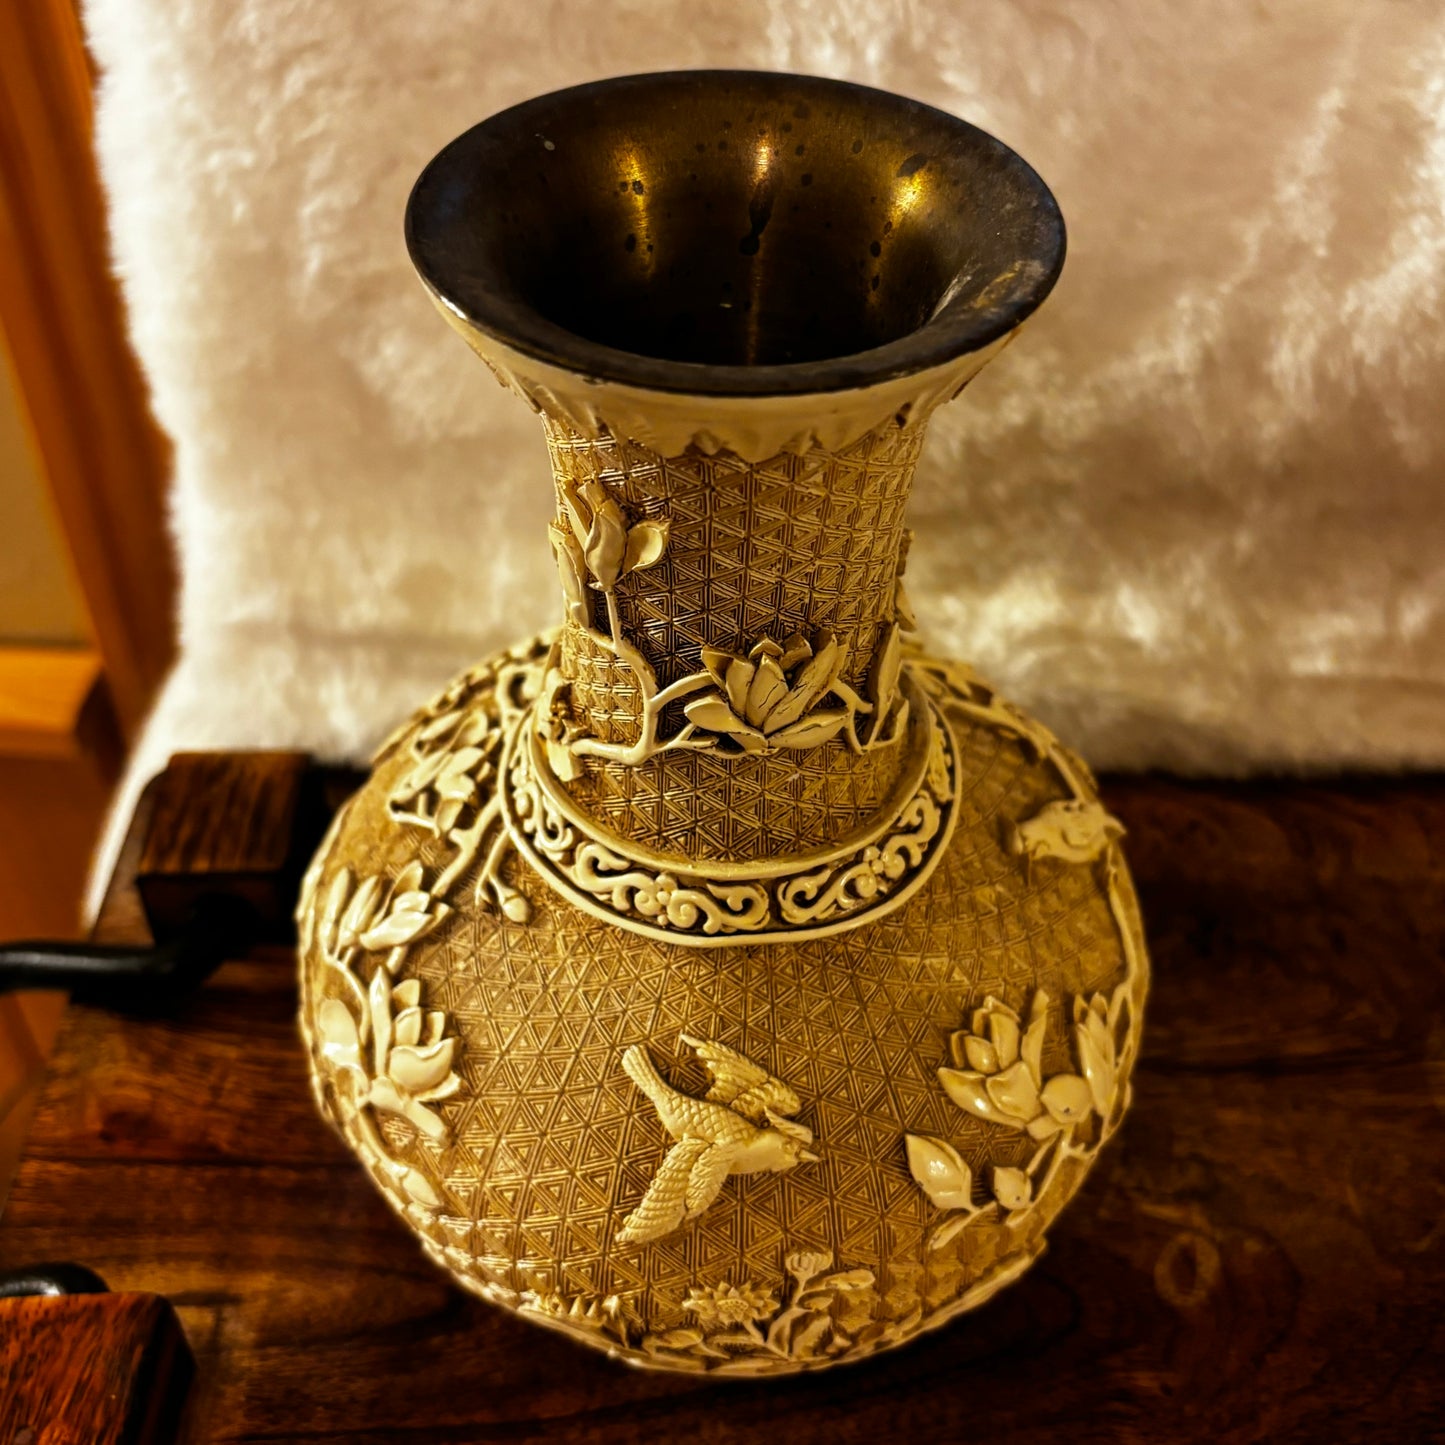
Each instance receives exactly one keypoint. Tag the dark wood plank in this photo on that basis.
(104, 1369)
(230, 823)
(1260, 1256)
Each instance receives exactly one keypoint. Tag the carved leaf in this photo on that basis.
(950, 1229)
(1043, 1126)
(846, 1279)
(813, 731)
(579, 515)
(571, 571)
(419, 1187)
(408, 880)
(424, 1120)
(646, 542)
(806, 1344)
(419, 777)
(378, 996)
(359, 911)
(711, 712)
(419, 1069)
(438, 725)
(396, 929)
(340, 1039)
(887, 663)
(968, 1091)
(565, 764)
(941, 1172)
(336, 896)
(903, 607)
(1097, 1072)
(456, 780)
(682, 1339)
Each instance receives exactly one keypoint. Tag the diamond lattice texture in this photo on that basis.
(795, 544)
(553, 1145)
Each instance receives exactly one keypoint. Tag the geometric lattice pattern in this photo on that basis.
(794, 544)
(552, 1146)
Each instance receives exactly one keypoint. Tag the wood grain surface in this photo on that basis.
(1260, 1255)
(95, 1369)
(229, 823)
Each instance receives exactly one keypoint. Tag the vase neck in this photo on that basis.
(750, 610)
(795, 545)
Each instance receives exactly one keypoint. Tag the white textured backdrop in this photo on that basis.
(1195, 516)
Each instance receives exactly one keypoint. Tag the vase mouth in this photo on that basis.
(734, 233)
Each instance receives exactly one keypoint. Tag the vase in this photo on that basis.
(721, 978)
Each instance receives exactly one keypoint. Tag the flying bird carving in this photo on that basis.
(743, 1125)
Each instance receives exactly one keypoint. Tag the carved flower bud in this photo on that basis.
(1012, 1187)
(600, 528)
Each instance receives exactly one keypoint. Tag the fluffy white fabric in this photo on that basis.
(1193, 516)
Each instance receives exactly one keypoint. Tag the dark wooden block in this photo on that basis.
(102, 1369)
(239, 824)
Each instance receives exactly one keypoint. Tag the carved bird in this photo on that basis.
(1074, 831)
(742, 1126)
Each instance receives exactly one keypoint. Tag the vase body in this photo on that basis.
(720, 978)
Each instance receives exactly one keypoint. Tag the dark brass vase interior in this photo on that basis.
(735, 232)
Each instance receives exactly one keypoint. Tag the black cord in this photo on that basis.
(126, 976)
(50, 1279)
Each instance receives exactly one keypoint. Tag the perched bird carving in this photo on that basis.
(1073, 830)
(744, 1125)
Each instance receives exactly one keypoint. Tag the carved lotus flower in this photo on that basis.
(377, 916)
(1003, 1080)
(1094, 1040)
(727, 1304)
(769, 698)
(410, 1064)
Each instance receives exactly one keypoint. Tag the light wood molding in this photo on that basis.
(105, 460)
(47, 696)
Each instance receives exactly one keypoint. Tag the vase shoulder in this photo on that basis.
(734, 1151)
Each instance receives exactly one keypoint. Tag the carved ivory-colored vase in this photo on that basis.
(720, 978)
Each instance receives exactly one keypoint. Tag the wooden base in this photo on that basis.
(1258, 1256)
(105, 1369)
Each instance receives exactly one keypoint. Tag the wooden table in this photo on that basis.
(1260, 1255)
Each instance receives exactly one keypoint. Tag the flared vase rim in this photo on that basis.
(484, 305)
